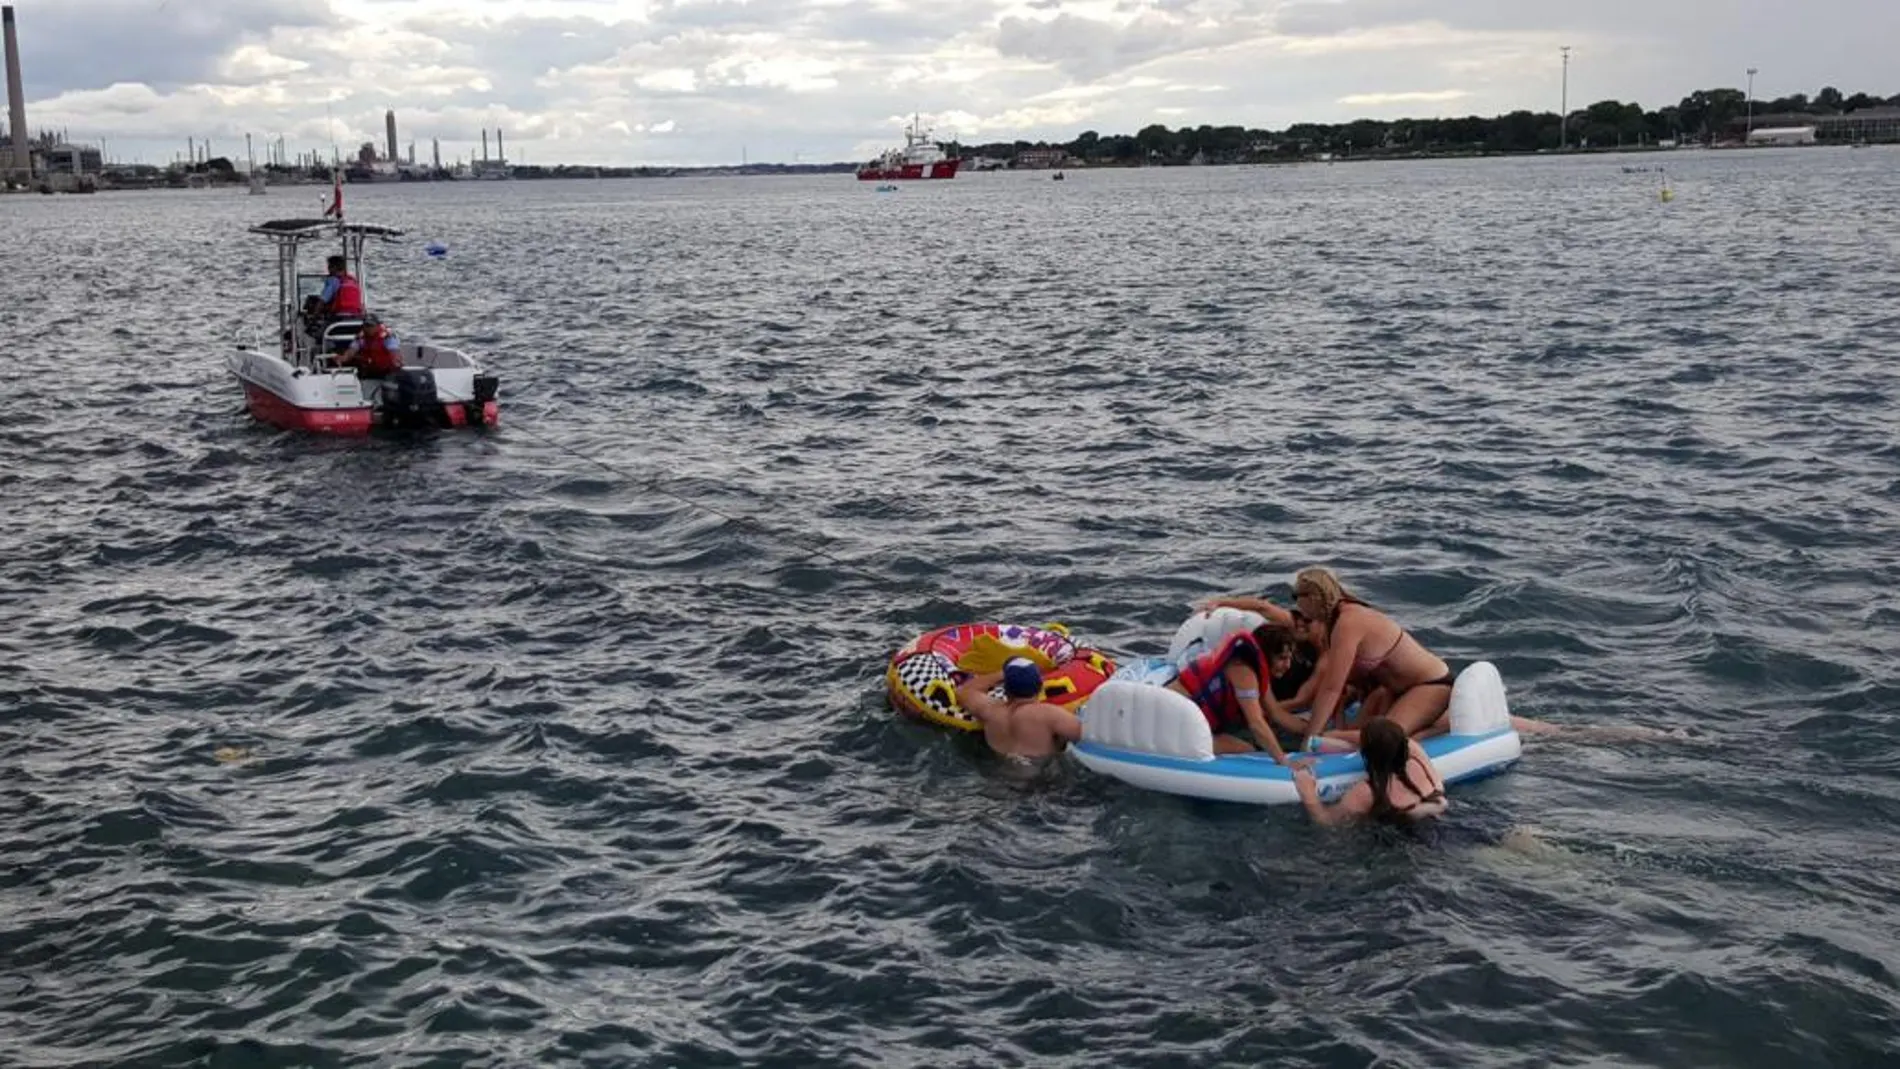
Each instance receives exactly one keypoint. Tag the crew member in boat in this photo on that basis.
(1021, 725)
(1405, 681)
(342, 296)
(375, 353)
(1365, 655)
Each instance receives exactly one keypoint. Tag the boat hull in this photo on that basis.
(336, 402)
(279, 412)
(909, 172)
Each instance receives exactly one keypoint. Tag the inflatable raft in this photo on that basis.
(922, 677)
(1136, 730)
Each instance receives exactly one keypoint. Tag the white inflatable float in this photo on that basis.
(1136, 730)
(1204, 629)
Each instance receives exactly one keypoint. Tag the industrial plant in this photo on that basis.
(50, 162)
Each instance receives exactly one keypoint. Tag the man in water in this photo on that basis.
(1022, 724)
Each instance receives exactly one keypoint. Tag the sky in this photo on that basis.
(711, 82)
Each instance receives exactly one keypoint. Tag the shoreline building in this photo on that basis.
(1864, 125)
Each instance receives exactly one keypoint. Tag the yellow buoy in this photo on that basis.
(1668, 194)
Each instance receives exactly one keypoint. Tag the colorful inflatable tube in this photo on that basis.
(922, 677)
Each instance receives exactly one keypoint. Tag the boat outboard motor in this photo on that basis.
(409, 398)
(485, 389)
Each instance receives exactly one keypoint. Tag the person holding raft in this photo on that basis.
(1363, 652)
(1022, 725)
(1400, 785)
(1360, 646)
(1233, 685)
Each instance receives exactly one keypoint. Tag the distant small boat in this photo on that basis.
(1058, 176)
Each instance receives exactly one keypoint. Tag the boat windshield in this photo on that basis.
(309, 286)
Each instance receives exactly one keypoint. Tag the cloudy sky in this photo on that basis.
(705, 81)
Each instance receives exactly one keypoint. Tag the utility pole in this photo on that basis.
(1563, 116)
(1751, 103)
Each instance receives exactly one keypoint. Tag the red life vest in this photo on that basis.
(1206, 681)
(349, 297)
(378, 358)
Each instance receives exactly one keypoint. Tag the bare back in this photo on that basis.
(1406, 803)
(1029, 728)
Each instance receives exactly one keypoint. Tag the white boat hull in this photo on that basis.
(335, 400)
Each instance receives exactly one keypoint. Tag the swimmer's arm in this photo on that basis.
(1260, 605)
(1303, 698)
(1329, 681)
(1279, 714)
(1064, 724)
(1247, 689)
(1348, 808)
(974, 694)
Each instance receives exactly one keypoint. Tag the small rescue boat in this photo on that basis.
(312, 380)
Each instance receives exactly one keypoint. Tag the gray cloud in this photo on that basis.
(755, 73)
(85, 44)
(1090, 48)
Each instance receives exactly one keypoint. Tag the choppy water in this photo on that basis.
(465, 751)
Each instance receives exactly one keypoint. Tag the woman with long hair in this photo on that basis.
(1361, 646)
(1363, 654)
(1400, 784)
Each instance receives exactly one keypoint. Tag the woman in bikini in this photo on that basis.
(1364, 656)
(1361, 649)
(1400, 785)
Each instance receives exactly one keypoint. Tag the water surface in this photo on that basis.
(469, 750)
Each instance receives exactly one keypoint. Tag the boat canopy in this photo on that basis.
(289, 235)
(311, 228)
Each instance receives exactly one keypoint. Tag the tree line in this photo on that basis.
(1703, 116)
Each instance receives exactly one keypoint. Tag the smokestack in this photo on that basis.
(16, 96)
(484, 144)
(389, 121)
(501, 154)
(436, 143)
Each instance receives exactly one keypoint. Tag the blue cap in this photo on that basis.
(1022, 679)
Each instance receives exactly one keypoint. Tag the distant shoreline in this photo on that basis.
(560, 174)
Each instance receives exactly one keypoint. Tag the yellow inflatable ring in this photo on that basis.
(923, 676)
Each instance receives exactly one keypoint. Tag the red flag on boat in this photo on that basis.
(336, 195)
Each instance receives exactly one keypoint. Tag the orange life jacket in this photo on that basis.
(349, 297)
(378, 356)
(1206, 680)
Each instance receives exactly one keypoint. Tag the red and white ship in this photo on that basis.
(919, 158)
(300, 383)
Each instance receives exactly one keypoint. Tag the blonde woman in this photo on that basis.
(1361, 645)
(1362, 650)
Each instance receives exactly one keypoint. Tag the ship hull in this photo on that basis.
(909, 172)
